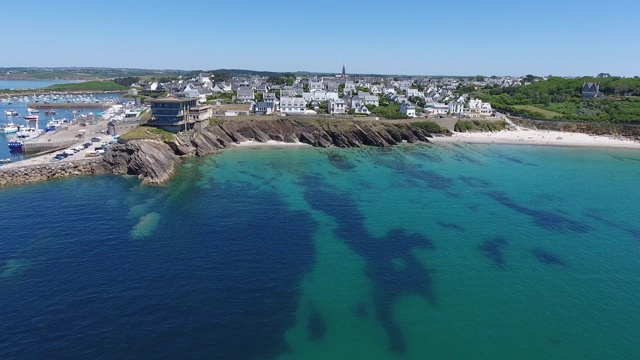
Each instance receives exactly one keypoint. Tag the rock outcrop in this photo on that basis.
(153, 161)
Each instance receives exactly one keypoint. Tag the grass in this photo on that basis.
(563, 107)
(548, 114)
(479, 125)
(427, 125)
(147, 132)
(97, 85)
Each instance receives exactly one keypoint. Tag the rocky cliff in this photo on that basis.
(155, 161)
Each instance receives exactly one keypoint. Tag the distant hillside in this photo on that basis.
(96, 85)
(560, 99)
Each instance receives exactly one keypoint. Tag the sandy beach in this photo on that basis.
(523, 136)
(269, 143)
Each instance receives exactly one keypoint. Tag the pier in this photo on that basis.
(68, 105)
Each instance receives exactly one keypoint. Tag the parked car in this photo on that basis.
(96, 139)
(86, 145)
(69, 152)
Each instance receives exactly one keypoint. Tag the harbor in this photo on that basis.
(34, 126)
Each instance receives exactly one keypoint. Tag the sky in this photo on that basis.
(463, 37)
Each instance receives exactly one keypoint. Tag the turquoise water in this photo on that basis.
(415, 252)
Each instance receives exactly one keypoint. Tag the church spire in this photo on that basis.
(343, 72)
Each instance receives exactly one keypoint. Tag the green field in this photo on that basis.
(97, 85)
(548, 114)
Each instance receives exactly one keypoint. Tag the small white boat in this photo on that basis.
(9, 128)
(11, 113)
(33, 111)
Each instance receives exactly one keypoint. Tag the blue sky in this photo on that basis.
(464, 37)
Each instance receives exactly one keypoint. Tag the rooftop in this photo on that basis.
(171, 100)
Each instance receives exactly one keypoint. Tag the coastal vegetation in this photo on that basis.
(479, 125)
(427, 125)
(95, 85)
(147, 132)
(561, 99)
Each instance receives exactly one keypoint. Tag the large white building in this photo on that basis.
(337, 106)
(292, 105)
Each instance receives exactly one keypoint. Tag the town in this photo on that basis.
(188, 103)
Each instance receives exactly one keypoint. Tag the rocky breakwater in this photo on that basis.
(28, 174)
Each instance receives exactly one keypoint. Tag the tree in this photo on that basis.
(604, 75)
(259, 96)
(323, 107)
(479, 78)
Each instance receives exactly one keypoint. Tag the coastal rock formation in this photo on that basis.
(154, 162)
(319, 133)
(35, 173)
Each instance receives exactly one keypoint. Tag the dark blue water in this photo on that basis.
(417, 252)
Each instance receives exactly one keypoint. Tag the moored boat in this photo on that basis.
(54, 124)
(31, 117)
(33, 111)
(15, 145)
(11, 113)
(9, 128)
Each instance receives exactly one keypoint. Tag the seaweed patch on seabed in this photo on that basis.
(432, 178)
(511, 158)
(390, 282)
(475, 182)
(494, 250)
(544, 219)
(596, 215)
(448, 225)
(316, 325)
(547, 257)
(340, 161)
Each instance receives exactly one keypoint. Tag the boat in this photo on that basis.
(5, 161)
(31, 117)
(15, 145)
(53, 124)
(50, 112)
(9, 128)
(33, 111)
(11, 113)
(28, 133)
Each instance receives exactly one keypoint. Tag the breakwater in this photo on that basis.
(154, 161)
(68, 105)
(36, 173)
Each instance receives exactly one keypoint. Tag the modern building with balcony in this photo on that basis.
(171, 114)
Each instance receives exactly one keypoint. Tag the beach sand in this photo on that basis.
(269, 143)
(523, 136)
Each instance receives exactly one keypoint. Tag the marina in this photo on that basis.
(34, 124)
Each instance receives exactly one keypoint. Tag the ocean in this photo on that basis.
(414, 252)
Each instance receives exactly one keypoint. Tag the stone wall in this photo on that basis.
(35, 173)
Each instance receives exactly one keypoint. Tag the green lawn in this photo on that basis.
(546, 113)
(98, 85)
(566, 107)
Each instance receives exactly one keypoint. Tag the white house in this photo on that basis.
(205, 79)
(437, 109)
(292, 105)
(349, 87)
(245, 94)
(316, 85)
(332, 95)
(478, 107)
(408, 109)
(337, 107)
(456, 107)
(319, 95)
(362, 110)
(376, 89)
(264, 108)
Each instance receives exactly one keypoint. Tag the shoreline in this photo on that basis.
(268, 144)
(523, 136)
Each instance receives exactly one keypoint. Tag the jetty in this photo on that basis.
(74, 105)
